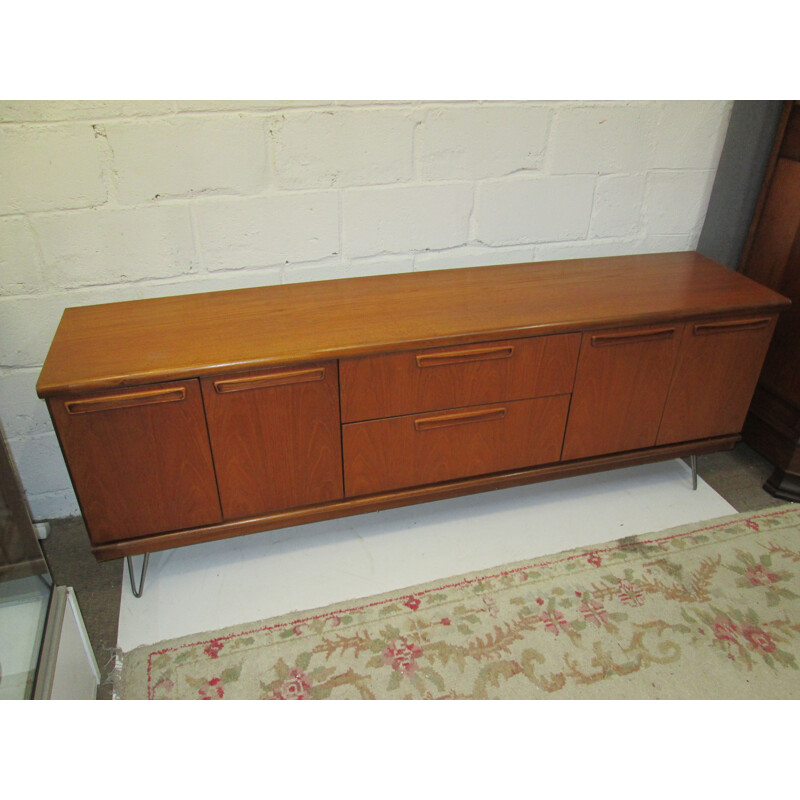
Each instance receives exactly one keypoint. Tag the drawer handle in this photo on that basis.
(445, 420)
(269, 380)
(462, 356)
(127, 400)
(705, 328)
(607, 339)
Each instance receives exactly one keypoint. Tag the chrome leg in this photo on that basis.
(693, 463)
(137, 592)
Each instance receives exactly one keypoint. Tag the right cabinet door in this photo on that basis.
(715, 377)
(621, 385)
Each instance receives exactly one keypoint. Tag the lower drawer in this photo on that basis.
(385, 454)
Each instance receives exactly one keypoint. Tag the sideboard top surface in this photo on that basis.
(145, 341)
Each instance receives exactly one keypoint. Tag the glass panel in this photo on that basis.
(25, 588)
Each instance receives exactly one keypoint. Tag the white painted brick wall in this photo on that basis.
(342, 147)
(115, 245)
(470, 143)
(170, 157)
(397, 218)
(111, 200)
(236, 233)
(538, 209)
(44, 168)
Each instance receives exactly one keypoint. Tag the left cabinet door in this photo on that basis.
(276, 438)
(139, 459)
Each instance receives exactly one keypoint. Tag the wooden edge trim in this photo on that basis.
(405, 497)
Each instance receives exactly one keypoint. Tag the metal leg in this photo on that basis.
(137, 592)
(693, 463)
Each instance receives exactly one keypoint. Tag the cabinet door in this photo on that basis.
(275, 438)
(620, 388)
(139, 459)
(715, 378)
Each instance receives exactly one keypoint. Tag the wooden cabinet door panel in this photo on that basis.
(620, 389)
(386, 454)
(275, 438)
(716, 375)
(449, 377)
(139, 459)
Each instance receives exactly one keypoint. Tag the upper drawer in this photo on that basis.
(449, 377)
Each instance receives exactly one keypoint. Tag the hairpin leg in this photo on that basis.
(693, 463)
(137, 592)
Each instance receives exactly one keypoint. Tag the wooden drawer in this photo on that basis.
(451, 377)
(386, 454)
(139, 459)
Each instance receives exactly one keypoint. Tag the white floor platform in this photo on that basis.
(208, 586)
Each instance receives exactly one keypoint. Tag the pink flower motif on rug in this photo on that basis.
(401, 655)
(594, 559)
(213, 648)
(594, 611)
(553, 621)
(296, 686)
(726, 630)
(629, 594)
(413, 603)
(759, 576)
(212, 690)
(760, 640)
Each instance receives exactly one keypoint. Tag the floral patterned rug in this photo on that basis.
(707, 611)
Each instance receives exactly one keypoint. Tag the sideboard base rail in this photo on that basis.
(411, 496)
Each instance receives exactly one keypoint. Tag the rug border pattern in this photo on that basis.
(483, 575)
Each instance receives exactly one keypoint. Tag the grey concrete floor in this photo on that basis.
(738, 475)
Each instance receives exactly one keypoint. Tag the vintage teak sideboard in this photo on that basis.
(198, 417)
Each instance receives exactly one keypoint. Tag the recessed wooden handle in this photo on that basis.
(110, 402)
(269, 379)
(630, 337)
(445, 420)
(726, 326)
(462, 356)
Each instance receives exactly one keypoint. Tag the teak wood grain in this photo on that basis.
(403, 497)
(275, 438)
(716, 374)
(620, 388)
(140, 461)
(386, 454)
(449, 377)
(147, 341)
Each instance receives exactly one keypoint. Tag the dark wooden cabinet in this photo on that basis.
(199, 417)
(772, 257)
